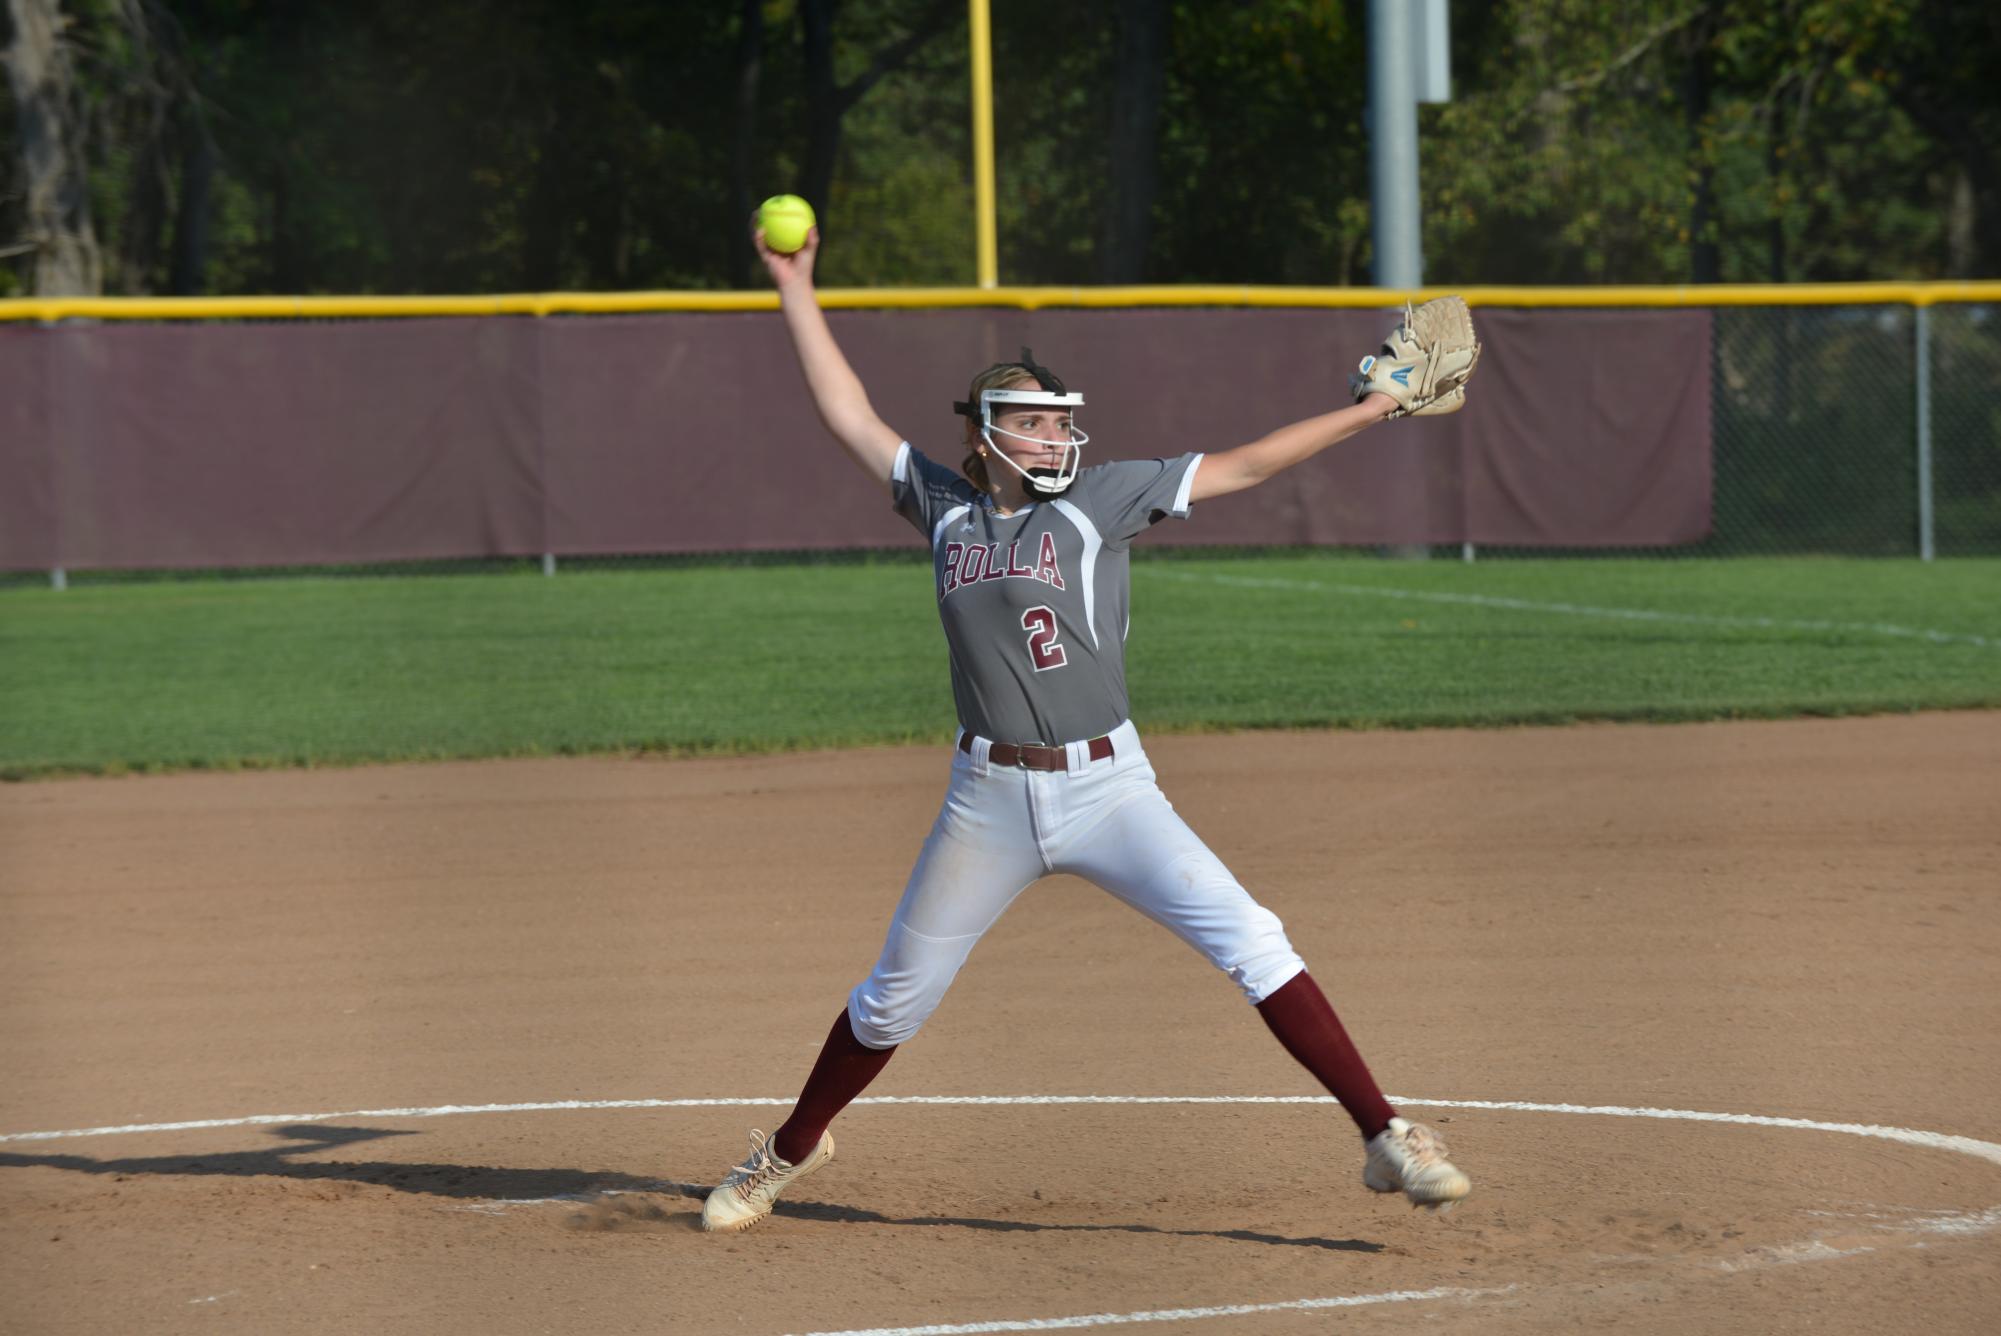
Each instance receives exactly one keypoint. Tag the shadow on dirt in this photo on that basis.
(460, 1181)
(611, 1200)
(630, 1213)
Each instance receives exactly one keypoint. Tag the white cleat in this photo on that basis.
(752, 1189)
(1410, 1158)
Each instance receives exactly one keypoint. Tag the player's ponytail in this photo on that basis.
(999, 376)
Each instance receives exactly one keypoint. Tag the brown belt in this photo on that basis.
(1029, 756)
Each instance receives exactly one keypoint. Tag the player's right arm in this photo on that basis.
(837, 391)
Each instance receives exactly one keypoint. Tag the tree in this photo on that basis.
(1139, 76)
(490, 145)
(1943, 63)
(50, 122)
(828, 100)
(743, 148)
(1716, 138)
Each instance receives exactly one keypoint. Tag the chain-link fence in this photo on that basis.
(1851, 430)
(1832, 437)
(1965, 413)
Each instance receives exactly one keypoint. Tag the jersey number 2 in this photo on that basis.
(1043, 651)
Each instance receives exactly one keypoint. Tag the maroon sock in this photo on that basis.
(845, 1067)
(1299, 1014)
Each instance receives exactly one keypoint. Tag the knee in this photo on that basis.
(907, 984)
(1263, 961)
(884, 1016)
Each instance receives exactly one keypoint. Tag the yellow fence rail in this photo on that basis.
(54, 309)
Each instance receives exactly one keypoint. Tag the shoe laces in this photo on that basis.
(758, 1168)
(1423, 1146)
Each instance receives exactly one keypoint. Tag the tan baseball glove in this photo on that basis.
(1425, 362)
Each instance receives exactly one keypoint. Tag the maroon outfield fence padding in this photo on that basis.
(27, 487)
(220, 445)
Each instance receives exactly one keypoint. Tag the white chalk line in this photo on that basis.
(1813, 1250)
(1985, 1150)
(1168, 1314)
(1588, 610)
(1944, 1222)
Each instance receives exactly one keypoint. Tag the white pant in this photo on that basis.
(1002, 829)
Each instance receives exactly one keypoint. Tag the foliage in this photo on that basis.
(482, 145)
(12, 193)
(1576, 150)
(1265, 178)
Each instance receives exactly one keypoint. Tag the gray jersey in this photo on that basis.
(1036, 604)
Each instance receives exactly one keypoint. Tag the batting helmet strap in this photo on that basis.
(1041, 373)
(1051, 384)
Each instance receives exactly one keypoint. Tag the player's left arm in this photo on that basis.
(1228, 471)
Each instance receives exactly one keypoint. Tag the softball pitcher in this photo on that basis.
(1030, 554)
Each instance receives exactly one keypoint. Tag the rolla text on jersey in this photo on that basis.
(970, 563)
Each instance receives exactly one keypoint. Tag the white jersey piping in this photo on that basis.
(938, 529)
(1092, 542)
(1181, 502)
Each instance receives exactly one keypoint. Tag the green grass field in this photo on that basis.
(317, 671)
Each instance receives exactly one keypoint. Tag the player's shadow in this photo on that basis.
(488, 1183)
(829, 1212)
(465, 1181)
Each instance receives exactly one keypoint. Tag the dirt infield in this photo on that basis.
(1794, 920)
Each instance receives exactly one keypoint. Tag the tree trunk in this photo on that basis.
(49, 119)
(823, 101)
(1775, 226)
(1947, 88)
(1973, 213)
(143, 118)
(1704, 265)
(749, 78)
(138, 252)
(190, 269)
(546, 209)
(827, 100)
(1139, 78)
(281, 252)
(1959, 223)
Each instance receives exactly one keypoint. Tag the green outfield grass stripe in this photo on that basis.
(715, 659)
(1586, 610)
